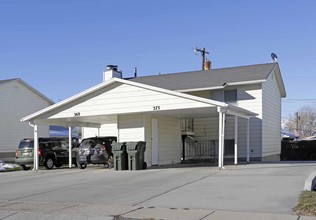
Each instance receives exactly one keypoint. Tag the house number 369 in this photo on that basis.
(156, 108)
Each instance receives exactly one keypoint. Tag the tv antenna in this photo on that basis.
(274, 58)
(203, 52)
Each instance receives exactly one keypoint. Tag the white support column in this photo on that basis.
(98, 132)
(220, 123)
(223, 138)
(70, 147)
(236, 141)
(35, 168)
(248, 141)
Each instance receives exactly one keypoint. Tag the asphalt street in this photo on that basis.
(191, 192)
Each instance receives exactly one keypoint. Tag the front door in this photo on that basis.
(154, 142)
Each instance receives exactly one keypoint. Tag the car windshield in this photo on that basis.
(87, 143)
(26, 144)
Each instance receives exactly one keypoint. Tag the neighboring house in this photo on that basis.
(237, 110)
(18, 99)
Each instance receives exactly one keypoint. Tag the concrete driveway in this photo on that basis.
(251, 188)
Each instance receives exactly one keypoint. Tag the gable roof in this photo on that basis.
(2, 82)
(235, 110)
(214, 78)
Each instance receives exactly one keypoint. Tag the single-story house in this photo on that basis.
(235, 110)
(17, 100)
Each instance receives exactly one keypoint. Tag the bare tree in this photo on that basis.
(303, 121)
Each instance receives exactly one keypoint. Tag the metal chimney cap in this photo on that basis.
(111, 67)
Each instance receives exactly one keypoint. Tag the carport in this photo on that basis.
(118, 97)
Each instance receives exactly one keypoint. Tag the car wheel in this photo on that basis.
(83, 166)
(49, 163)
(25, 167)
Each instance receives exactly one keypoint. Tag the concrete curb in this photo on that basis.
(310, 182)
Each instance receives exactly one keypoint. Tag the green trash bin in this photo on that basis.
(120, 156)
(136, 157)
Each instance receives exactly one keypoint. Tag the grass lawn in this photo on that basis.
(306, 204)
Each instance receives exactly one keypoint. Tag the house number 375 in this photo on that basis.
(156, 108)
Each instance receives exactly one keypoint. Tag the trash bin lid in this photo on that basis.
(131, 146)
(136, 146)
(118, 146)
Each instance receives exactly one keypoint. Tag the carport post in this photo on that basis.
(236, 141)
(220, 123)
(35, 162)
(223, 139)
(70, 146)
(248, 140)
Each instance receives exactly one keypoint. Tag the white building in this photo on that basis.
(18, 99)
(237, 110)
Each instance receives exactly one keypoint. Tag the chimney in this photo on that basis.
(207, 65)
(110, 72)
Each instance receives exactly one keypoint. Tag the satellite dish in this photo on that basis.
(274, 57)
(195, 50)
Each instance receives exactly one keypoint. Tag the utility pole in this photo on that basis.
(203, 52)
(297, 119)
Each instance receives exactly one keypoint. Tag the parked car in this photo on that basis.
(95, 150)
(52, 152)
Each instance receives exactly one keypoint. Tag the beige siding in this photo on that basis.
(108, 129)
(271, 117)
(18, 101)
(169, 141)
(124, 98)
(131, 128)
(169, 144)
(250, 98)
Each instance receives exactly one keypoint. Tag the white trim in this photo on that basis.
(245, 82)
(201, 89)
(223, 86)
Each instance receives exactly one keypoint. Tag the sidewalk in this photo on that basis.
(98, 212)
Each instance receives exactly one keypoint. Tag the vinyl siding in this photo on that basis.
(250, 98)
(108, 129)
(18, 101)
(121, 99)
(169, 143)
(131, 128)
(271, 117)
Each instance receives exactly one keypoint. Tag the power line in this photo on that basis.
(300, 100)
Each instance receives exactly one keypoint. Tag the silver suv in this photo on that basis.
(95, 150)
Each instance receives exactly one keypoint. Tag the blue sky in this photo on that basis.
(61, 47)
